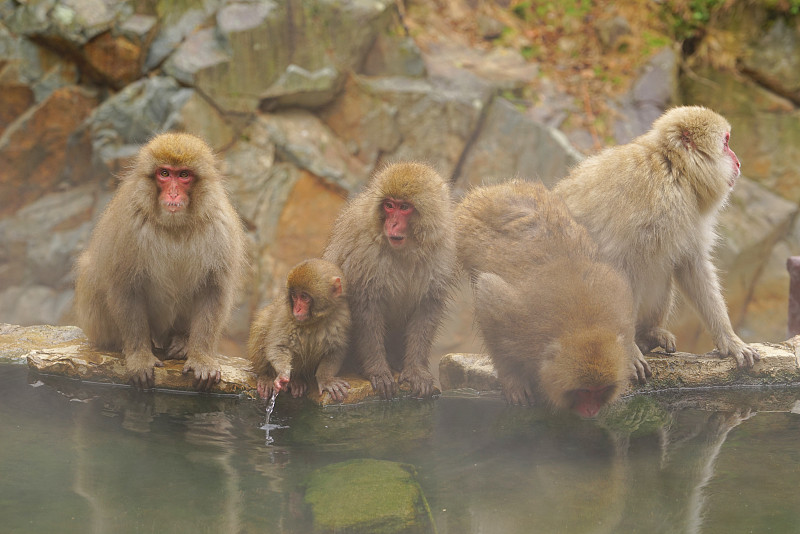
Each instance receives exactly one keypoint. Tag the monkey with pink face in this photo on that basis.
(395, 244)
(651, 205)
(164, 262)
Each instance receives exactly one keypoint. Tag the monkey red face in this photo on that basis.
(174, 184)
(734, 160)
(398, 212)
(587, 402)
(301, 305)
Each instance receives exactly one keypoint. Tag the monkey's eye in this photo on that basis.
(164, 172)
(727, 138)
(305, 297)
(388, 205)
(405, 206)
(184, 174)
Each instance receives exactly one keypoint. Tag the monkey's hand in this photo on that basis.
(654, 337)
(641, 369)
(517, 392)
(297, 387)
(206, 371)
(266, 386)
(383, 384)
(282, 382)
(735, 347)
(140, 367)
(335, 386)
(420, 380)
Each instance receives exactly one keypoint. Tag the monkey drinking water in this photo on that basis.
(557, 322)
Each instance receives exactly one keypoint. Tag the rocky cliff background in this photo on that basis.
(304, 99)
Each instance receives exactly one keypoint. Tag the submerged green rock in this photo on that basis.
(375, 496)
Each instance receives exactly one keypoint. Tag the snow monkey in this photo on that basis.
(304, 335)
(163, 263)
(557, 322)
(652, 206)
(395, 244)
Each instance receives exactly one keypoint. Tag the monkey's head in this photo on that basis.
(585, 369)
(696, 143)
(314, 288)
(176, 169)
(412, 204)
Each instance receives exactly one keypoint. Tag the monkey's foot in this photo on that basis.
(206, 371)
(517, 392)
(420, 380)
(383, 384)
(177, 348)
(654, 337)
(141, 369)
(297, 387)
(335, 386)
(735, 347)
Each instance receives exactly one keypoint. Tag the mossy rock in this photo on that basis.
(375, 496)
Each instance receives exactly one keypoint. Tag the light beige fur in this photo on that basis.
(652, 205)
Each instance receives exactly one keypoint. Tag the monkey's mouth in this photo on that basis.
(732, 180)
(397, 241)
(174, 207)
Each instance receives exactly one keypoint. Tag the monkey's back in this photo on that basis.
(541, 294)
(503, 228)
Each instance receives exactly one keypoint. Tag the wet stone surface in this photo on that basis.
(65, 351)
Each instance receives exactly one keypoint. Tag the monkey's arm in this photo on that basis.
(272, 364)
(420, 333)
(127, 305)
(208, 316)
(697, 279)
(328, 368)
(369, 334)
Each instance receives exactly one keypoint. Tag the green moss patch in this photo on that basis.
(375, 496)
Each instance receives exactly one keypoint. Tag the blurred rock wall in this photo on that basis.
(303, 100)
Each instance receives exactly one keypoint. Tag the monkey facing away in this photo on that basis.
(557, 322)
(651, 206)
(394, 243)
(164, 262)
(305, 335)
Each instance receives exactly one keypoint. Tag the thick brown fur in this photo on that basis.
(397, 297)
(153, 278)
(315, 348)
(652, 205)
(554, 318)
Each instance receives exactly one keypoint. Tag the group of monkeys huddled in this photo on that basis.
(571, 286)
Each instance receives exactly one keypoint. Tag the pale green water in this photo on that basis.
(82, 458)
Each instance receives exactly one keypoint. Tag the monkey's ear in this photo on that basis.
(336, 286)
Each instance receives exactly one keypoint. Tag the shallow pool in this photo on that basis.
(89, 458)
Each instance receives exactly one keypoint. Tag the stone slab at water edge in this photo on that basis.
(64, 351)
